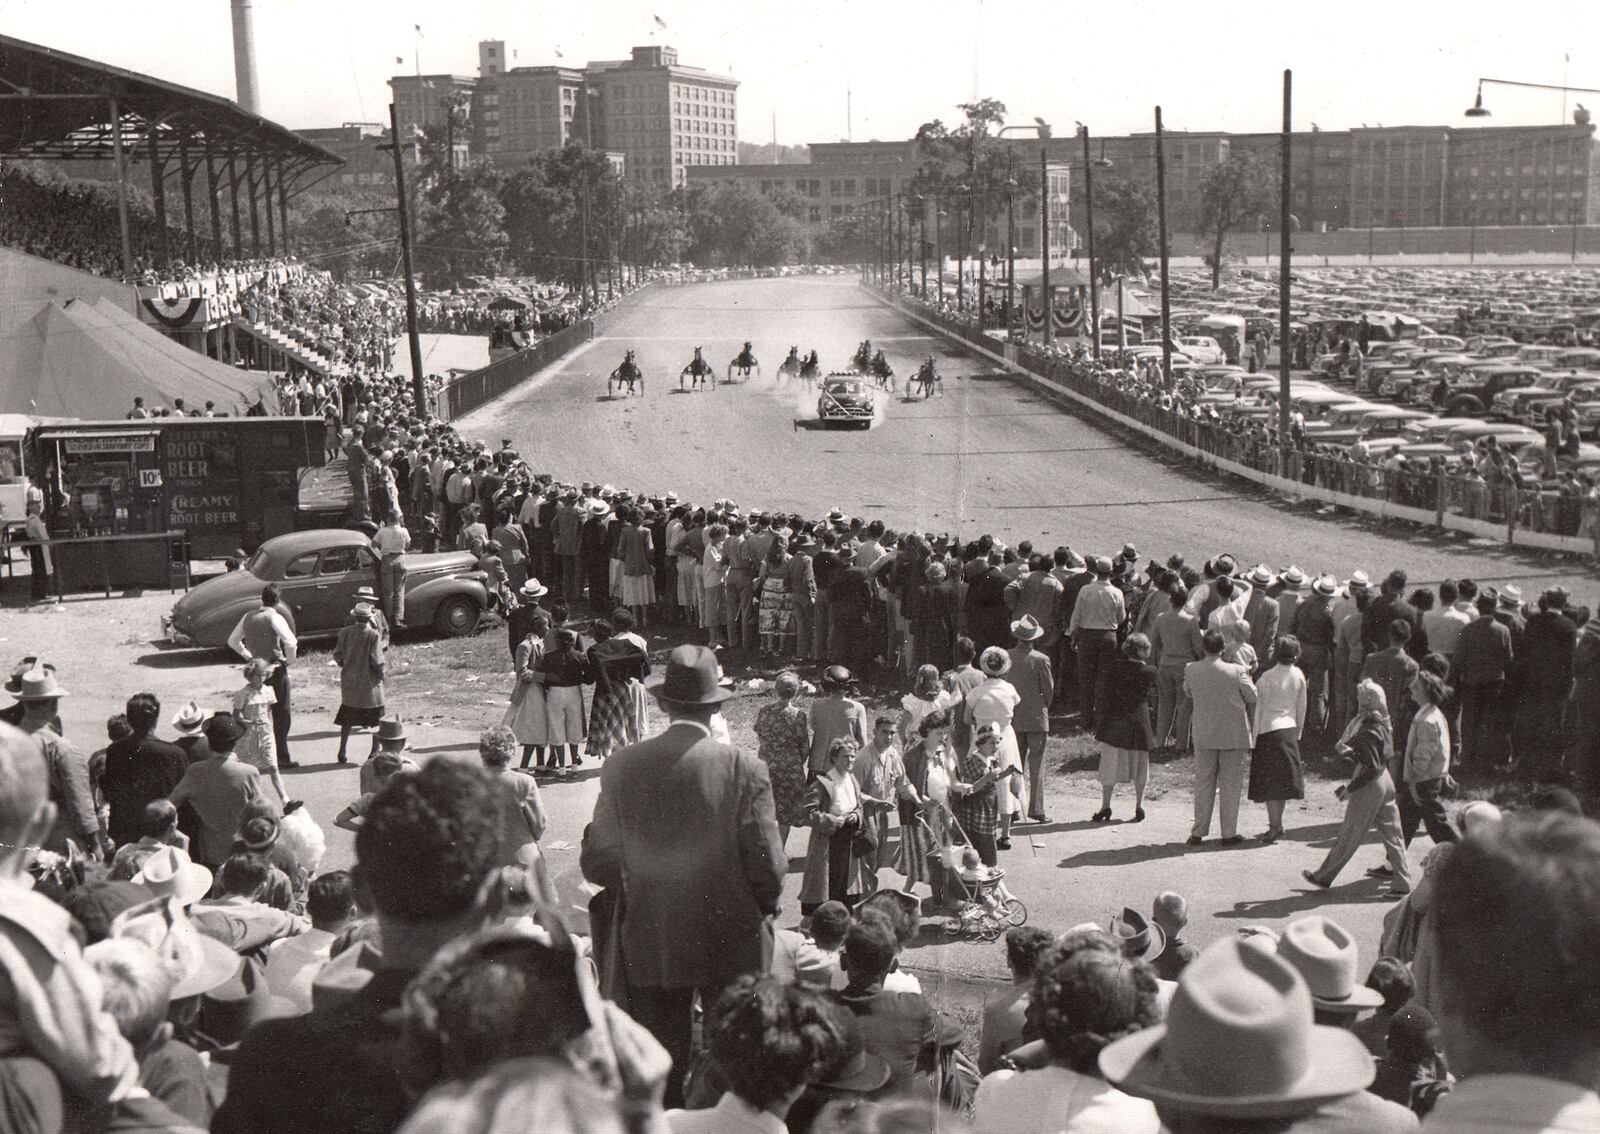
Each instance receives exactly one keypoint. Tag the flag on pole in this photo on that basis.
(660, 23)
(559, 55)
(418, 27)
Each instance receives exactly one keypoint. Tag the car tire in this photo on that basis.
(456, 617)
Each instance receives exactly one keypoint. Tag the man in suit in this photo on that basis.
(802, 576)
(1038, 593)
(1261, 611)
(987, 617)
(684, 835)
(1035, 683)
(1224, 697)
(1483, 659)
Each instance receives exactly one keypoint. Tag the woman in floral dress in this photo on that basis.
(774, 606)
(785, 746)
(252, 706)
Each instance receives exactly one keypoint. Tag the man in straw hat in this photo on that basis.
(689, 824)
(1241, 1052)
(1035, 683)
(39, 695)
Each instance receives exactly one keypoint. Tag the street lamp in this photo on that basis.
(1478, 110)
(938, 244)
(1101, 162)
(1011, 245)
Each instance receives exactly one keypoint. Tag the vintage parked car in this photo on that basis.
(845, 398)
(318, 573)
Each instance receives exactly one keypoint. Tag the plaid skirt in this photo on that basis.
(617, 718)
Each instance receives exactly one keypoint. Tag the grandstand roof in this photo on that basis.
(59, 106)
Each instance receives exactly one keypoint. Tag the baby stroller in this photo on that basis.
(984, 907)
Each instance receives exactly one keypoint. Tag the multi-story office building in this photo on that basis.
(662, 116)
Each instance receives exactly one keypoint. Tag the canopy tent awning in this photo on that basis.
(1060, 276)
(90, 360)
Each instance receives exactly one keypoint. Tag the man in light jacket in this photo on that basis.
(1224, 698)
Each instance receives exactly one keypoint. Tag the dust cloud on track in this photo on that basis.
(991, 455)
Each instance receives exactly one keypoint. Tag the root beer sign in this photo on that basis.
(200, 468)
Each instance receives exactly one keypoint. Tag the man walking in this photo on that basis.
(1035, 684)
(685, 839)
(1224, 697)
(268, 633)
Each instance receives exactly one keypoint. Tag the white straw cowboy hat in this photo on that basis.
(1027, 629)
(188, 719)
(169, 873)
(1239, 1042)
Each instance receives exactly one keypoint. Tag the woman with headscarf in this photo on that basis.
(835, 857)
(1369, 797)
(993, 702)
(784, 739)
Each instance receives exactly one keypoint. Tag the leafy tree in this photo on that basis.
(327, 235)
(462, 227)
(968, 171)
(1125, 232)
(545, 203)
(732, 224)
(1233, 191)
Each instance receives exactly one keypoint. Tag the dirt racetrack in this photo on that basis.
(990, 455)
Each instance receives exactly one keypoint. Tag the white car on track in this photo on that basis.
(846, 398)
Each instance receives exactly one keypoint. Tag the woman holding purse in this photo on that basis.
(839, 833)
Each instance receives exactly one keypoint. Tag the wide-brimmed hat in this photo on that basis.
(14, 682)
(692, 677)
(837, 677)
(1326, 585)
(1260, 574)
(197, 962)
(994, 661)
(259, 833)
(361, 612)
(857, 1070)
(1129, 552)
(39, 685)
(1325, 956)
(1510, 596)
(188, 719)
(1224, 564)
(367, 594)
(1027, 629)
(170, 873)
(597, 508)
(1294, 576)
(1556, 598)
(391, 731)
(1239, 1042)
(1140, 938)
(533, 589)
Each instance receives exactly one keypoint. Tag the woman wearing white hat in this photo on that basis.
(992, 703)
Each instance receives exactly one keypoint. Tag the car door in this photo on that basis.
(298, 589)
(344, 571)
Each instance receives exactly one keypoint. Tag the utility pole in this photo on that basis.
(1283, 278)
(1094, 273)
(1161, 220)
(419, 390)
(1044, 245)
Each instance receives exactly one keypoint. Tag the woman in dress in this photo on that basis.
(360, 655)
(1124, 729)
(638, 571)
(714, 586)
(620, 662)
(1275, 774)
(526, 716)
(927, 694)
(993, 701)
(925, 805)
(834, 870)
(690, 547)
(471, 528)
(1369, 798)
(252, 705)
(775, 608)
(785, 744)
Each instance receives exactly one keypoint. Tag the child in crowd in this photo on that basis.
(1171, 913)
(1413, 1071)
(252, 705)
(384, 765)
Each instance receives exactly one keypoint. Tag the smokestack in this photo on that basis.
(244, 56)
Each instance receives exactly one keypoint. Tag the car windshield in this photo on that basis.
(844, 387)
(257, 563)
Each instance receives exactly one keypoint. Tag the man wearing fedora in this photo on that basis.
(76, 819)
(685, 839)
(1224, 699)
(1241, 1052)
(1097, 614)
(1262, 612)
(218, 788)
(1030, 674)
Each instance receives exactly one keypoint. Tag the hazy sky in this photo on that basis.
(1210, 65)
